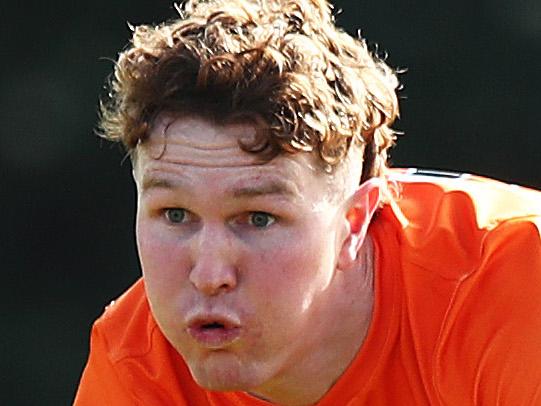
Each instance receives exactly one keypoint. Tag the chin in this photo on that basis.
(224, 381)
(217, 375)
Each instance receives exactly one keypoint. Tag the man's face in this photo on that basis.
(238, 257)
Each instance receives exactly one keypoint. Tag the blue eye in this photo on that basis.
(261, 219)
(175, 216)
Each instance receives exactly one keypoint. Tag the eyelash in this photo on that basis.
(268, 215)
(167, 214)
(250, 217)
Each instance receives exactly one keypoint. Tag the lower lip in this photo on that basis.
(214, 338)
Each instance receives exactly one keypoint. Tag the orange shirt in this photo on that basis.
(457, 313)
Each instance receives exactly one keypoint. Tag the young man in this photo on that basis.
(283, 263)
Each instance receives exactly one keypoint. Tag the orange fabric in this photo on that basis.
(457, 315)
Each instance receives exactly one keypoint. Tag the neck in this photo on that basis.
(326, 357)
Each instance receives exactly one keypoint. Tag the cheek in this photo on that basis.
(164, 262)
(292, 273)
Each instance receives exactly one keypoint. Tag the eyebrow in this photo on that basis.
(152, 182)
(272, 187)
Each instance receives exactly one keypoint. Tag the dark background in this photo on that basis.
(67, 202)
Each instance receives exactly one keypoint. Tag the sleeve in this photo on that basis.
(100, 383)
(490, 346)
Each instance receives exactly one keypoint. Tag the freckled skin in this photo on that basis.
(282, 282)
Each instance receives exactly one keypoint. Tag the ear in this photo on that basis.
(359, 212)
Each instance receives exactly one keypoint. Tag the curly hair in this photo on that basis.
(316, 87)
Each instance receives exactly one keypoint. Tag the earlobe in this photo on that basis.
(362, 206)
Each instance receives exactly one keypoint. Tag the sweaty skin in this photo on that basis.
(253, 271)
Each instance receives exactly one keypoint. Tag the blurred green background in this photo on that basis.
(471, 103)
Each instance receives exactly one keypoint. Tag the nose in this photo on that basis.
(214, 268)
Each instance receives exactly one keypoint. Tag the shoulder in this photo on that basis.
(127, 326)
(482, 239)
(493, 201)
(131, 362)
(452, 222)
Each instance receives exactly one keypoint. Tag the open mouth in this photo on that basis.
(214, 332)
(212, 326)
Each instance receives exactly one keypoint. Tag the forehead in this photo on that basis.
(194, 140)
(192, 149)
